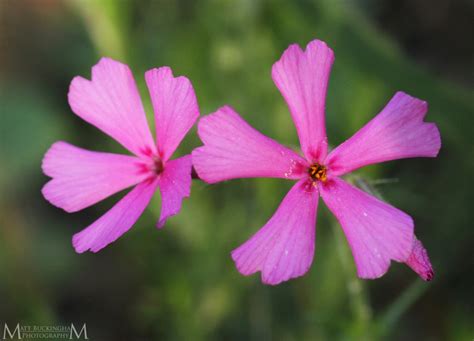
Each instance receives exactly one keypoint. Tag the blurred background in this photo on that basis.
(179, 283)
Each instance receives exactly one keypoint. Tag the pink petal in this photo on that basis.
(111, 102)
(284, 247)
(82, 178)
(175, 185)
(420, 262)
(302, 77)
(233, 149)
(397, 132)
(376, 231)
(175, 107)
(118, 220)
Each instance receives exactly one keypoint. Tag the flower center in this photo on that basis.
(317, 172)
(157, 166)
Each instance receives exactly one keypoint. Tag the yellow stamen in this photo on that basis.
(318, 172)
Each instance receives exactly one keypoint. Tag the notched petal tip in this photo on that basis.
(302, 78)
(107, 62)
(103, 63)
(165, 74)
(175, 107)
(314, 46)
(321, 47)
(291, 49)
(105, 59)
(162, 70)
(79, 246)
(111, 102)
(400, 95)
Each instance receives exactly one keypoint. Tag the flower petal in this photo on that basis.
(82, 178)
(420, 262)
(284, 247)
(111, 102)
(397, 132)
(175, 106)
(302, 77)
(233, 149)
(118, 220)
(376, 231)
(175, 185)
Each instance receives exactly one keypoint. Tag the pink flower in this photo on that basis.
(111, 102)
(377, 232)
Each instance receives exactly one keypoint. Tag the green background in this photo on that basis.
(179, 283)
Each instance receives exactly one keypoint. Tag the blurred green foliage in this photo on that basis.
(179, 282)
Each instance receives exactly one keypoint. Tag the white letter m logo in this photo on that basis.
(10, 334)
(78, 335)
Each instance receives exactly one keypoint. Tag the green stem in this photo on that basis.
(360, 307)
(393, 313)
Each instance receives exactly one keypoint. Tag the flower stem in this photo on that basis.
(401, 304)
(361, 310)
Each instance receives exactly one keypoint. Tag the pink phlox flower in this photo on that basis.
(377, 232)
(111, 102)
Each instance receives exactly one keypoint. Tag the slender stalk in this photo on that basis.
(361, 311)
(401, 304)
